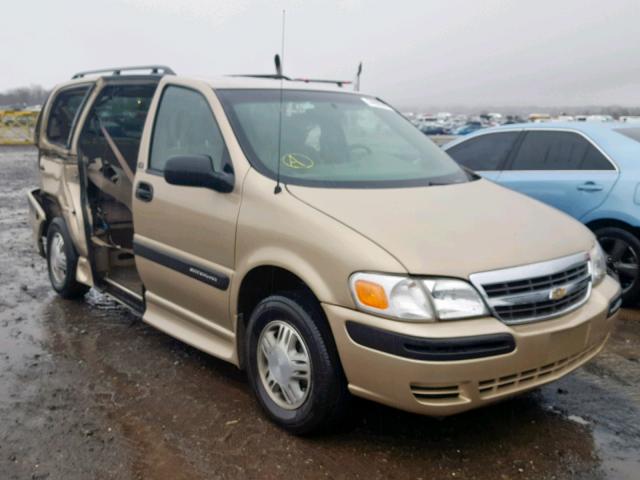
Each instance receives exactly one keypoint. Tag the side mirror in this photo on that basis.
(197, 171)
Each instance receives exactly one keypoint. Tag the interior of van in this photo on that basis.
(108, 147)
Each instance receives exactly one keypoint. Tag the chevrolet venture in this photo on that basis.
(314, 238)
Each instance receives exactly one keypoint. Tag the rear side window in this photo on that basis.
(594, 160)
(185, 125)
(550, 151)
(486, 152)
(63, 113)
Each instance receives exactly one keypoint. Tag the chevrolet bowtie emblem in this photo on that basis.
(558, 293)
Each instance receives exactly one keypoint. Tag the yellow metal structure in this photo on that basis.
(17, 126)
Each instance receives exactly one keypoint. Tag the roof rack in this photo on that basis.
(339, 83)
(272, 76)
(155, 70)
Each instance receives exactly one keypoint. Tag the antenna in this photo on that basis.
(279, 60)
(356, 86)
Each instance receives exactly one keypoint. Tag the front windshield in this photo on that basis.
(334, 139)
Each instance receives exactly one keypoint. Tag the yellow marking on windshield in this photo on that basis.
(297, 161)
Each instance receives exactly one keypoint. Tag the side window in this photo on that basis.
(551, 151)
(185, 125)
(486, 152)
(63, 112)
(594, 160)
(118, 113)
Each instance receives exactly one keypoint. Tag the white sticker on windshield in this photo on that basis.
(372, 102)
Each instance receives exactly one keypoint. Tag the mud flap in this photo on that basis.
(37, 219)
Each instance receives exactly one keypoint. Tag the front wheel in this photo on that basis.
(293, 366)
(622, 251)
(62, 260)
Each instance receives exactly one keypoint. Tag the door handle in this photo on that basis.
(144, 192)
(590, 187)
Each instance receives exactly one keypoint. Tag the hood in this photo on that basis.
(453, 230)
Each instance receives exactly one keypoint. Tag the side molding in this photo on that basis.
(210, 277)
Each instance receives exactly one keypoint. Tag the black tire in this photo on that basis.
(622, 249)
(65, 285)
(328, 399)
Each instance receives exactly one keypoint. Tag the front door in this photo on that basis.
(184, 239)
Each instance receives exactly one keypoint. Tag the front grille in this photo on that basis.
(533, 284)
(544, 308)
(537, 291)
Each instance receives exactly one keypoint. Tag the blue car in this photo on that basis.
(591, 171)
(468, 128)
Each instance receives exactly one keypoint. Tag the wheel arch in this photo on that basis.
(258, 283)
(52, 209)
(595, 225)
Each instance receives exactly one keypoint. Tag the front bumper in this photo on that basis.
(544, 351)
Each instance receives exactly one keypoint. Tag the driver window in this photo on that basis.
(185, 125)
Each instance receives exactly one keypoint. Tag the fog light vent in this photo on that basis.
(494, 386)
(434, 394)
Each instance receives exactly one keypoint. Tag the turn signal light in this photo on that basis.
(371, 294)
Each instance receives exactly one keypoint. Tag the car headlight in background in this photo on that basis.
(598, 264)
(407, 298)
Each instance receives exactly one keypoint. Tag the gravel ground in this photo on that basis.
(89, 391)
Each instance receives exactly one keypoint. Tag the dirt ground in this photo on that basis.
(88, 391)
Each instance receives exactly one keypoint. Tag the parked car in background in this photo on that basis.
(433, 129)
(468, 128)
(589, 170)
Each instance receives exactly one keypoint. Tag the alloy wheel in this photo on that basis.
(622, 259)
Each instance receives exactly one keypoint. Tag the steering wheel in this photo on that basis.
(359, 146)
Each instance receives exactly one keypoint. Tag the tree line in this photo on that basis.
(23, 96)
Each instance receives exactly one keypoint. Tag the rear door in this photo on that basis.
(561, 168)
(184, 240)
(485, 154)
(58, 167)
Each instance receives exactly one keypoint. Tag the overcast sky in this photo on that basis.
(415, 52)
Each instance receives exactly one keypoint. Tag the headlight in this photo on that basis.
(407, 298)
(598, 264)
(455, 299)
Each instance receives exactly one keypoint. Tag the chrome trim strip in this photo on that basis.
(527, 272)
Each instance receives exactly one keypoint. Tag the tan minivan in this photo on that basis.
(315, 238)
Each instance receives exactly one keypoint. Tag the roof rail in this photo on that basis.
(155, 70)
(339, 83)
(271, 76)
